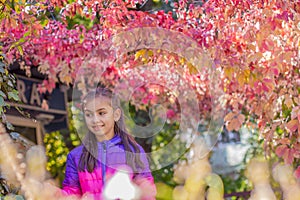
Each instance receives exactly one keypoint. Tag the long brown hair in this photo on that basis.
(89, 156)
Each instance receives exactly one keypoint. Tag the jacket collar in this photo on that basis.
(114, 141)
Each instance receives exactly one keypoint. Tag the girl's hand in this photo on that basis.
(147, 187)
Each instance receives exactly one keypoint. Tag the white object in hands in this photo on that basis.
(121, 187)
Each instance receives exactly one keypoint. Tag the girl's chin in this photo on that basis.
(98, 132)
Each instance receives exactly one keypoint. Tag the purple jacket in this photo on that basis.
(111, 156)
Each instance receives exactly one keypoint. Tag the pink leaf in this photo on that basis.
(275, 71)
(170, 113)
(284, 141)
(289, 156)
(292, 125)
(145, 100)
(297, 172)
(280, 150)
(265, 87)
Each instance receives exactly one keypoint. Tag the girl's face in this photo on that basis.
(100, 117)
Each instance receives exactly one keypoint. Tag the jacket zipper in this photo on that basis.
(104, 163)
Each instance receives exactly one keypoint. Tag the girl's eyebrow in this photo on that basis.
(100, 109)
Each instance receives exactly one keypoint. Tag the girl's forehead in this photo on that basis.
(97, 99)
(97, 102)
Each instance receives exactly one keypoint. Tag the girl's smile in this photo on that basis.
(97, 127)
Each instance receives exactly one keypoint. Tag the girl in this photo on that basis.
(106, 148)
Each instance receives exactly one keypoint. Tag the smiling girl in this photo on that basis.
(106, 149)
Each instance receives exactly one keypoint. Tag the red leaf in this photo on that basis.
(170, 113)
(284, 141)
(289, 156)
(275, 71)
(297, 172)
(261, 123)
(265, 88)
(292, 125)
(209, 27)
(297, 146)
(280, 150)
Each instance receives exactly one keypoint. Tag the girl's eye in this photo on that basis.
(101, 113)
(88, 115)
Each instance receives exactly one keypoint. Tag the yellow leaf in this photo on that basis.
(182, 61)
(66, 79)
(229, 72)
(252, 47)
(255, 57)
(192, 69)
(139, 53)
(247, 72)
(17, 9)
(150, 53)
(252, 79)
(241, 79)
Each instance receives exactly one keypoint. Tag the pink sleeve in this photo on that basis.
(71, 191)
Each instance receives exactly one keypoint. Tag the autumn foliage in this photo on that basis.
(254, 46)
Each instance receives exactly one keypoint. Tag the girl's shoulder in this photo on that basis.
(76, 151)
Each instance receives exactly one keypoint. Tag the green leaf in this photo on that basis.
(10, 83)
(13, 95)
(26, 34)
(2, 64)
(2, 102)
(2, 71)
(2, 94)
(44, 22)
(9, 126)
(12, 77)
(19, 197)
(20, 50)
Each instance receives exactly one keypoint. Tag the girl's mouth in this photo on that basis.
(97, 127)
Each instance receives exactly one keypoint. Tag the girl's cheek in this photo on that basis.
(87, 120)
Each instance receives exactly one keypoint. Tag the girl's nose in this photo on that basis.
(96, 118)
